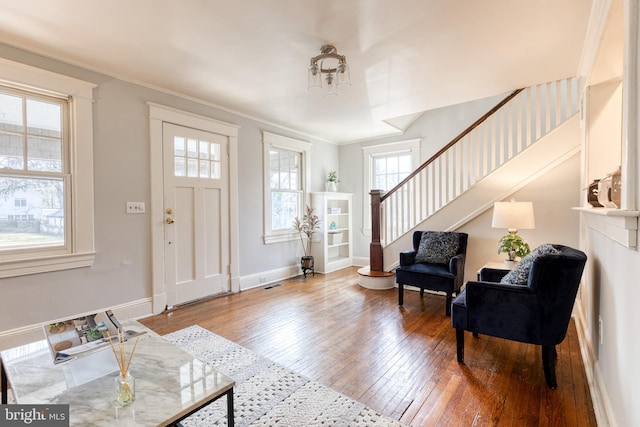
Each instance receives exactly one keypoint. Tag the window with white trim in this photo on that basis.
(385, 165)
(45, 122)
(33, 171)
(286, 177)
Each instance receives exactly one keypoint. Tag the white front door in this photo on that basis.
(196, 213)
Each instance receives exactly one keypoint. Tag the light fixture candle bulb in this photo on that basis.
(342, 74)
(314, 77)
(331, 84)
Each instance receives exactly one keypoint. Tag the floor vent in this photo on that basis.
(272, 286)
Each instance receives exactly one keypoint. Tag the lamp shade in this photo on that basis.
(513, 215)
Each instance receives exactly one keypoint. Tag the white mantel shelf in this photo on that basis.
(617, 224)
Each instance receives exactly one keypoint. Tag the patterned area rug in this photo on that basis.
(268, 394)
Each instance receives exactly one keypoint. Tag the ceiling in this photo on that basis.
(251, 56)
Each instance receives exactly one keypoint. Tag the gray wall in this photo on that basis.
(122, 270)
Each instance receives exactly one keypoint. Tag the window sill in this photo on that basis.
(279, 238)
(617, 224)
(28, 266)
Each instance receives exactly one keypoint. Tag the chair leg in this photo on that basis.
(460, 344)
(400, 294)
(421, 292)
(447, 310)
(549, 355)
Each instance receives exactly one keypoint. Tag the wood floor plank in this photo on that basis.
(400, 361)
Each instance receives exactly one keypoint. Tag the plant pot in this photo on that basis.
(306, 263)
(332, 186)
(509, 264)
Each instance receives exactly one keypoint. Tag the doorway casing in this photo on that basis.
(159, 114)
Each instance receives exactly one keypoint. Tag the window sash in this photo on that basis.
(410, 148)
(77, 177)
(37, 122)
(389, 169)
(285, 178)
(285, 206)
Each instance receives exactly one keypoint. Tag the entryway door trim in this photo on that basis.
(159, 114)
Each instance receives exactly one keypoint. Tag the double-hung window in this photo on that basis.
(34, 177)
(286, 176)
(385, 165)
(46, 171)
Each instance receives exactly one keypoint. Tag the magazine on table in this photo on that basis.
(71, 338)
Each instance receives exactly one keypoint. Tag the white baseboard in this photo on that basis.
(267, 277)
(30, 333)
(360, 261)
(600, 398)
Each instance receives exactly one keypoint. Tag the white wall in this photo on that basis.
(607, 312)
(121, 275)
(553, 195)
(435, 128)
(610, 292)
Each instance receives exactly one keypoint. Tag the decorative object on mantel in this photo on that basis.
(609, 191)
(604, 192)
(332, 181)
(125, 383)
(616, 187)
(513, 216)
(592, 194)
(329, 70)
(306, 226)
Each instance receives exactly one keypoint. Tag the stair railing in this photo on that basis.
(514, 124)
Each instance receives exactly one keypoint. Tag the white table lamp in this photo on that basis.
(513, 216)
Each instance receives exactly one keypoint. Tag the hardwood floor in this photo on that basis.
(399, 361)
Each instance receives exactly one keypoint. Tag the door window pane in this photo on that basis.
(196, 159)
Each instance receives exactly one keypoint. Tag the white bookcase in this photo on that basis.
(332, 244)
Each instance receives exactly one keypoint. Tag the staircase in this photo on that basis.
(525, 135)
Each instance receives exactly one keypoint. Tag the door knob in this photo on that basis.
(170, 221)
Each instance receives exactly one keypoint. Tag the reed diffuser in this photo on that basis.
(125, 383)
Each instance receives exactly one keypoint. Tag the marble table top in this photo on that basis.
(169, 382)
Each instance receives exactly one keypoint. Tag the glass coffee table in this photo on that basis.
(170, 384)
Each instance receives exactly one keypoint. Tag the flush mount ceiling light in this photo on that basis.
(329, 70)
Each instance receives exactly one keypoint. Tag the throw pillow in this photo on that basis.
(520, 273)
(437, 247)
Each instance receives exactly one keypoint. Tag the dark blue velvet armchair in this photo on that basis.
(445, 277)
(536, 313)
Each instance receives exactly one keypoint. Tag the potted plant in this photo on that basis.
(305, 227)
(332, 181)
(514, 246)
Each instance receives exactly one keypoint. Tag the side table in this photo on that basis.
(493, 269)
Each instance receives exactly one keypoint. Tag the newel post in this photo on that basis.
(375, 248)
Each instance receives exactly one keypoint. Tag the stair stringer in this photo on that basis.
(546, 153)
